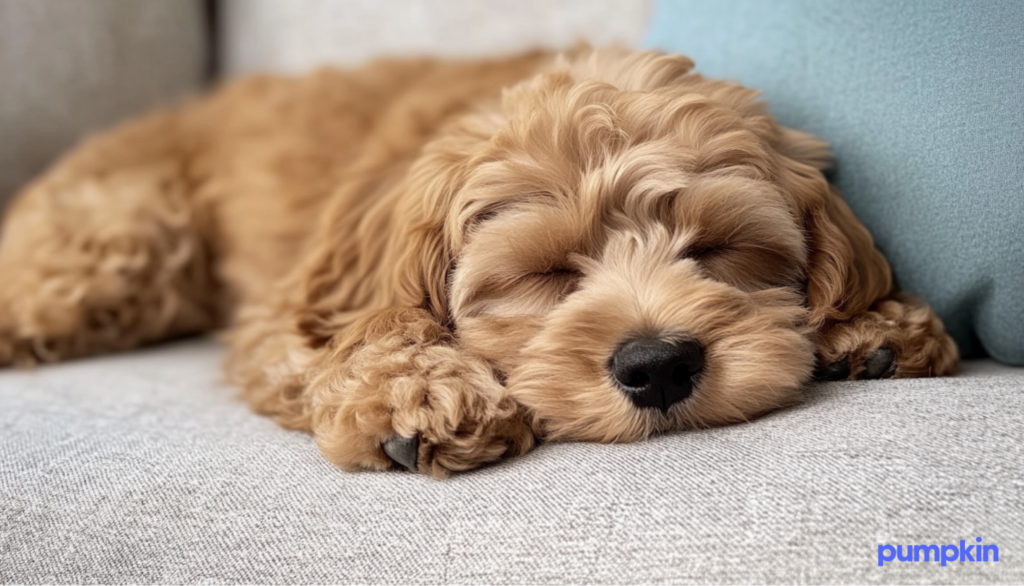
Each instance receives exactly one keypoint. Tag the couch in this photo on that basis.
(143, 468)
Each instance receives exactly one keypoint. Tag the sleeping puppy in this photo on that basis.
(432, 264)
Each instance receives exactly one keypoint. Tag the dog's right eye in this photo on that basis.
(559, 273)
(565, 278)
(703, 252)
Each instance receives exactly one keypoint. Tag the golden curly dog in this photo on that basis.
(433, 263)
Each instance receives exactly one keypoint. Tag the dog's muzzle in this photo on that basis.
(656, 373)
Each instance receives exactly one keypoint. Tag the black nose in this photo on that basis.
(655, 373)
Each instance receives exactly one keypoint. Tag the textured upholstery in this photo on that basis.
(269, 35)
(70, 68)
(922, 102)
(138, 468)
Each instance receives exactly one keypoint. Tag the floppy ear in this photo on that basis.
(394, 256)
(846, 274)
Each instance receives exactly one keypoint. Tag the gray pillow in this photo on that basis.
(70, 68)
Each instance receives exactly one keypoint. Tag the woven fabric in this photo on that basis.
(138, 468)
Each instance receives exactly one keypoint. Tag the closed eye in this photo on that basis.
(567, 280)
(559, 272)
(746, 265)
(557, 275)
(702, 251)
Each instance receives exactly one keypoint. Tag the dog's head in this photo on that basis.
(633, 247)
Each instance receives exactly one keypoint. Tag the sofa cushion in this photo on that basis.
(269, 35)
(138, 468)
(922, 103)
(70, 68)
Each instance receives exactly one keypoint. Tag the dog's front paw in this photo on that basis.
(449, 413)
(873, 364)
(417, 404)
(898, 338)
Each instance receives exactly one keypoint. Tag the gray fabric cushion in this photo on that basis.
(270, 35)
(139, 468)
(69, 68)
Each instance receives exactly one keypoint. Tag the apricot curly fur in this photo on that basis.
(451, 251)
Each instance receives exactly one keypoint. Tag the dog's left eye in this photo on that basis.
(704, 251)
(561, 282)
(557, 273)
(565, 280)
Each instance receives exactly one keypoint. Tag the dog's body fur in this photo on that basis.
(408, 250)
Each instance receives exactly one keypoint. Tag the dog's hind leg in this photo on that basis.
(103, 253)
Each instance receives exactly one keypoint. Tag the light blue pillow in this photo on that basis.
(923, 102)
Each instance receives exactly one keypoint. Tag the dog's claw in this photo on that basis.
(879, 364)
(403, 450)
(838, 370)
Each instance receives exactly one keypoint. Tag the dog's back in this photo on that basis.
(162, 226)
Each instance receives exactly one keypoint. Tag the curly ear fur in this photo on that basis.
(398, 259)
(846, 273)
(383, 243)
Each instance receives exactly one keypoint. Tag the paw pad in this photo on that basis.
(879, 364)
(403, 450)
(838, 370)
